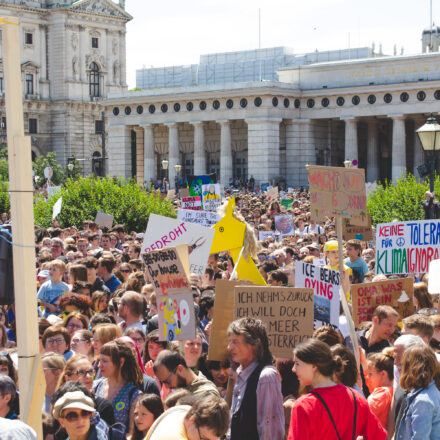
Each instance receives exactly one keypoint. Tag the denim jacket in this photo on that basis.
(422, 418)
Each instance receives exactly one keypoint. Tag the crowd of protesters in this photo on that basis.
(109, 376)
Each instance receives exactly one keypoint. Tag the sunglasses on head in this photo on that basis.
(74, 416)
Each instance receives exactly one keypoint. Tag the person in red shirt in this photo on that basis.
(331, 411)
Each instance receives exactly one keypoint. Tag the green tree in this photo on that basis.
(76, 172)
(41, 162)
(83, 198)
(4, 197)
(4, 167)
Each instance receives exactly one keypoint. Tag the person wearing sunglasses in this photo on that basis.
(126, 270)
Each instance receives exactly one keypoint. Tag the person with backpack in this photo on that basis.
(331, 411)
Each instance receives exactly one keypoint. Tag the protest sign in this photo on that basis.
(192, 203)
(183, 192)
(286, 311)
(164, 231)
(57, 208)
(211, 196)
(223, 316)
(272, 194)
(288, 203)
(407, 247)
(171, 194)
(325, 284)
(396, 293)
(262, 235)
(284, 224)
(337, 192)
(196, 183)
(434, 277)
(168, 271)
(350, 231)
(104, 220)
(204, 218)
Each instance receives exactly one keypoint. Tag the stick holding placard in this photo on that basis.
(343, 296)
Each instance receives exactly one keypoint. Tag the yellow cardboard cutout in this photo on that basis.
(229, 236)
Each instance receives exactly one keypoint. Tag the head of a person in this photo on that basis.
(57, 247)
(53, 366)
(403, 343)
(78, 368)
(219, 372)
(8, 395)
(106, 265)
(132, 305)
(170, 368)
(419, 325)
(137, 336)
(78, 272)
(153, 346)
(207, 419)
(331, 252)
(73, 411)
(248, 341)
(277, 278)
(422, 299)
(99, 301)
(56, 339)
(56, 269)
(353, 248)
(117, 360)
(192, 350)
(380, 369)
(7, 366)
(384, 320)
(428, 195)
(419, 368)
(126, 270)
(313, 359)
(81, 342)
(75, 321)
(328, 334)
(147, 408)
(348, 373)
(104, 333)
(134, 251)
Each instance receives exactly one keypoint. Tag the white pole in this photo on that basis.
(30, 371)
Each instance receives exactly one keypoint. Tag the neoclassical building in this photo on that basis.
(73, 57)
(320, 113)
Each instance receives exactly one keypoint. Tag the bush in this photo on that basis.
(4, 197)
(50, 160)
(401, 201)
(83, 198)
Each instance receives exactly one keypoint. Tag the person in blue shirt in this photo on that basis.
(354, 261)
(51, 291)
(104, 270)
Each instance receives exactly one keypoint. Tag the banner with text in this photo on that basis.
(194, 202)
(325, 284)
(164, 231)
(286, 311)
(211, 196)
(337, 191)
(284, 224)
(407, 247)
(204, 218)
(350, 231)
(395, 293)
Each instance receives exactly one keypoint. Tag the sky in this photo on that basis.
(175, 32)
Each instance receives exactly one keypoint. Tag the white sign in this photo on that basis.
(434, 277)
(262, 235)
(204, 218)
(319, 262)
(211, 195)
(57, 208)
(325, 284)
(284, 224)
(164, 231)
(48, 173)
(194, 202)
(104, 220)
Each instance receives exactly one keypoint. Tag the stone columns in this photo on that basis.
(351, 140)
(43, 30)
(372, 150)
(173, 152)
(225, 153)
(119, 151)
(82, 53)
(264, 149)
(300, 151)
(199, 149)
(122, 63)
(149, 168)
(419, 154)
(398, 155)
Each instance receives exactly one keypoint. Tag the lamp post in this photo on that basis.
(165, 167)
(347, 163)
(429, 135)
(177, 169)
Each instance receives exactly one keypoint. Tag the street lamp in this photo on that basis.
(177, 169)
(347, 163)
(165, 167)
(429, 135)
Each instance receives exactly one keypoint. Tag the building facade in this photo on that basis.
(73, 57)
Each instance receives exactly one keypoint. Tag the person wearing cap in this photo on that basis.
(314, 250)
(331, 253)
(73, 411)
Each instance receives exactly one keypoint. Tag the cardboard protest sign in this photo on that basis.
(286, 311)
(284, 224)
(407, 247)
(325, 284)
(104, 220)
(192, 203)
(183, 192)
(395, 293)
(204, 218)
(262, 235)
(288, 203)
(168, 271)
(196, 183)
(223, 316)
(211, 196)
(434, 277)
(350, 231)
(171, 194)
(164, 231)
(337, 191)
(57, 208)
(272, 194)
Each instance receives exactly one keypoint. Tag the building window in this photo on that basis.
(3, 123)
(1, 82)
(29, 84)
(99, 126)
(95, 42)
(29, 38)
(94, 80)
(33, 125)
